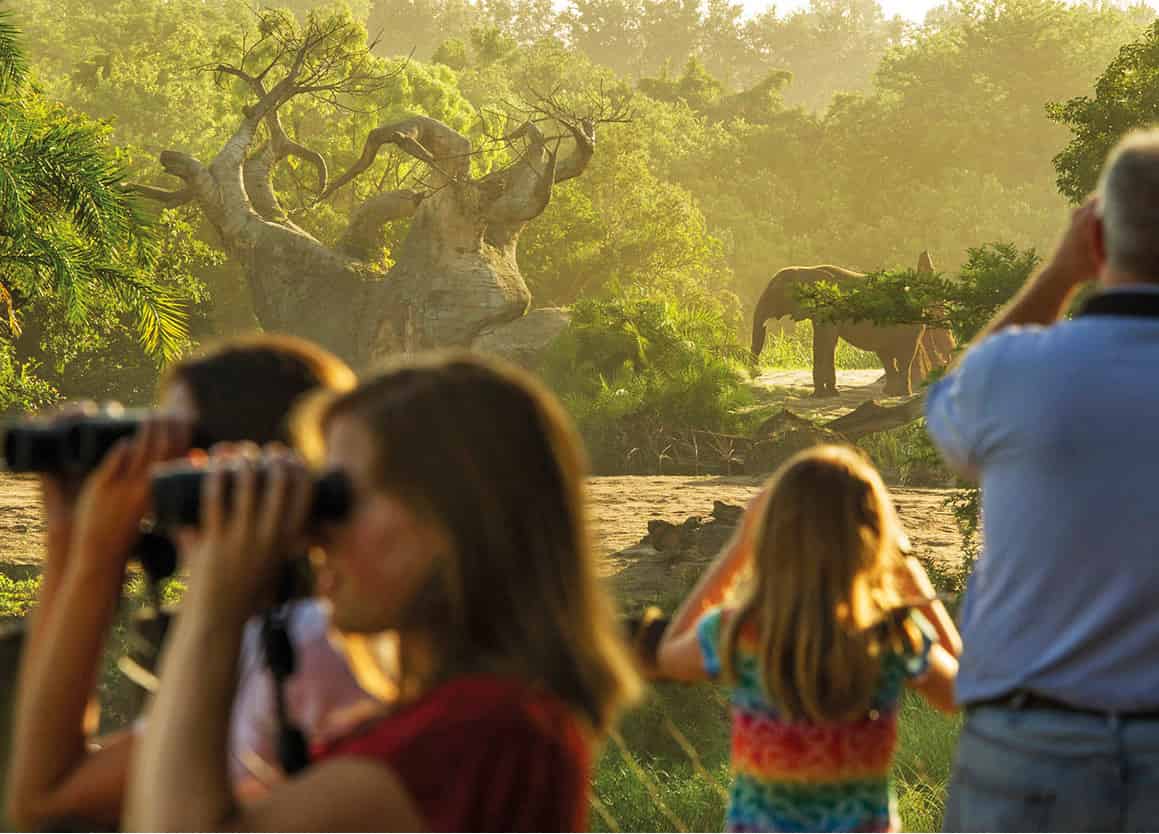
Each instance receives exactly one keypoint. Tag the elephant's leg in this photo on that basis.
(897, 381)
(889, 363)
(824, 360)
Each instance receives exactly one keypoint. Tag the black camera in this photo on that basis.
(71, 445)
(177, 496)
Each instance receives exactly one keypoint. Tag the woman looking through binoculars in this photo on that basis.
(466, 536)
(243, 390)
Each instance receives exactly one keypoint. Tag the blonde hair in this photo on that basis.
(822, 604)
(486, 452)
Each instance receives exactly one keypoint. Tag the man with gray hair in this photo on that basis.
(1058, 420)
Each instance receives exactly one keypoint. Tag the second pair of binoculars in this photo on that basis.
(74, 445)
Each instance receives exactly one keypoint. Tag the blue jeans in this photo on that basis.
(1048, 770)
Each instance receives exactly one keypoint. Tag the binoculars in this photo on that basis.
(69, 446)
(177, 496)
(76, 446)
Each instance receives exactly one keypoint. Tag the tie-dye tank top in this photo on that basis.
(801, 776)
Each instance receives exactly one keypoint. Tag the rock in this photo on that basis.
(665, 536)
(522, 340)
(673, 555)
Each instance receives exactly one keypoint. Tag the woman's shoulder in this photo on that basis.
(468, 707)
(483, 753)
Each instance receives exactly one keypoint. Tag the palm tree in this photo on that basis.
(69, 228)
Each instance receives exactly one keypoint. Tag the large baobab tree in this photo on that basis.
(454, 276)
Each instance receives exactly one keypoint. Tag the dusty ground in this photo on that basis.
(793, 388)
(620, 510)
(620, 506)
(21, 526)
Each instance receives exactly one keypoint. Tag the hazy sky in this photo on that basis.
(914, 10)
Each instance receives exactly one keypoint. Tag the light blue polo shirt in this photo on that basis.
(1061, 426)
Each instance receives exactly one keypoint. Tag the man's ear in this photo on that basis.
(1098, 241)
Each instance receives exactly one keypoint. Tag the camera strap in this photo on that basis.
(293, 751)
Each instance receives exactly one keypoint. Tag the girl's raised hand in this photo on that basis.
(254, 509)
(115, 496)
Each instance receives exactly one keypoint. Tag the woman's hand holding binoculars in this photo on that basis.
(255, 509)
(116, 495)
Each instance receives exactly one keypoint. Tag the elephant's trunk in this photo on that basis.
(758, 333)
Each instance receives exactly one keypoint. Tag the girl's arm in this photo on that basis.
(179, 780)
(936, 685)
(52, 774)
(681, 659)
(915, 582)
(58, 498)
(721, 575)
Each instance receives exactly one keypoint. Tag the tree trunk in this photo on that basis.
(455, 276)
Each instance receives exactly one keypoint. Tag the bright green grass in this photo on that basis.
(921, 771)
(17, 595)
(793, 348)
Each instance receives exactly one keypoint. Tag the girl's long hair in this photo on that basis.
(822, 609)
(487, 453)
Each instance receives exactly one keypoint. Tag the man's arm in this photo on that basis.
(960, 407)
(1044, 298)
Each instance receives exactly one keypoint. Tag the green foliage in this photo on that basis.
(17, 596)
(1124, 99)
(635, 370)
(991, 276)
(966, 505)
(21, 389)
(74, 240)
(905, 455)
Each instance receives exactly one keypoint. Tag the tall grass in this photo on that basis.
(793, 348)
(906, 455)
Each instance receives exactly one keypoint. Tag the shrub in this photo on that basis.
(635, 371)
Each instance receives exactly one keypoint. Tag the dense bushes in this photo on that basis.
(635, 371)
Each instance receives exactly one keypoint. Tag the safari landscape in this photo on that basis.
(718, 237)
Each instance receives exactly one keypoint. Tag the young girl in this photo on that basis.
(833, 625)
(244, 389)
(467, 539)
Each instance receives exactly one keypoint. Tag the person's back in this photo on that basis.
(1064, 424)
(805, 775)
(1057, 420)
(817, 652)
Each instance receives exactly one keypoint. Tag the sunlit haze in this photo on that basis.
(913, 10)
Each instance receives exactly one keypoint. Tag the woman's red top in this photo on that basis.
(483, 753)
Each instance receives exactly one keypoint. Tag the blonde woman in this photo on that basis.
(833, 623)
(467, 539)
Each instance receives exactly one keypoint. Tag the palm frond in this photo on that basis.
(13, 64)
(161, 316)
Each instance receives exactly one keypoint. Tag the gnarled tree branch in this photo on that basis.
(444, 149)
(164, 196)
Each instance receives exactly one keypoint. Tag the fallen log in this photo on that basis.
(869, 417)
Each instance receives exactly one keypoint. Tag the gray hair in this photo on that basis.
(1129, 204)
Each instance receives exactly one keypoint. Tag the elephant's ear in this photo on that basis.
(925, 262)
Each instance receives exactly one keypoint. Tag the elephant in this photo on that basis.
(907, 351)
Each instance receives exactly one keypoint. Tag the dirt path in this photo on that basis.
(620, 509)
(793, 389)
